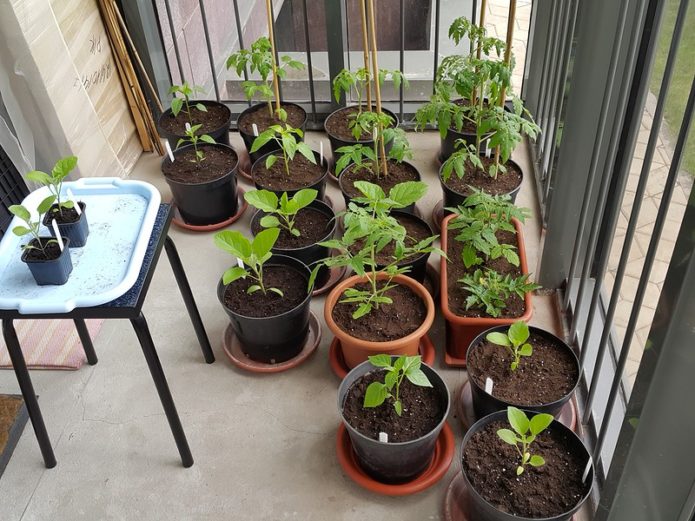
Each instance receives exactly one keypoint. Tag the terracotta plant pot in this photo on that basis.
(460, 331)
(356, 350)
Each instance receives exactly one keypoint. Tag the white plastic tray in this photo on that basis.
(121, 215)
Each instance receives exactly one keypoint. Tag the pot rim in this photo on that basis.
(255, 106)
(510, 160)
(66, 248)
(231, 172)
(83, 207)
(318, 181)
(357, 141)
(411, 165)
(204, 102)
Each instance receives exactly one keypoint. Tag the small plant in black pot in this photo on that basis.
(266, 296)
(72, 222)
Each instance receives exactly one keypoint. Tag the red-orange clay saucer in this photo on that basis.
(241, 208)
(444, 451)
(464, 407)
(340, 368)
(233, 350)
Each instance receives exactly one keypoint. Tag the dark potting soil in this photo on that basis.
(216, 117)
(62, 216)
(303, 173)
(312, 224)
(291, 282)
(397, 173)
(338, 125)
(263, 119)
(539, 492)
(416, 231)
(502, 184)
(422, 410)
(544, 377)
(456, 270)
(218, 162)
(50, 251)
(389, 321)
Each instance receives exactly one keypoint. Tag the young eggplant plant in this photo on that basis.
(285, 138)
(404, 367)
(54, 181)
(489, 291)
(192, 138)
(281, 211)
(32, 227)
(182, 100)
(524, 434)
(514, 340)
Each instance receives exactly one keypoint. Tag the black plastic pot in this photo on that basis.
(393, 462)
(54, 272)
(270, 145)
(418, 265)
(77, 232)
(206, 203)
(313, 252)
(484, 404)
(319, 185)
(448, 145)
(272, 339)
(480, 509)
(220, 135)
(337, 142)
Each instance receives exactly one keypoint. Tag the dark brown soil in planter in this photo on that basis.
(217, 163)
(36, 254)
(422, 411)
(263, 120)
(303, 173)
(546, 376)
(503, 184)
(338, 125)
(398, 173)
(416, 232)
(456, 270)
(213, 119)
(291, 282)
(312, 224)
(66, 216)
(389, 322)
(542, 492)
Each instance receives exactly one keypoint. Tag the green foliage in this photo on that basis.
(524, 433)
(489, 290)
(281, 211)
(285, 138)
(514, 340)
(192, 138)
(404, 367)
(54, 180)
(182, 99)
(253, 254)
(32, 227)
(346, 81)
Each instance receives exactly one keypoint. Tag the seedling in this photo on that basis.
(253, 254)
(32, 227)
(282, 210)
(54, 181)
(404, 367)
(524, 434)
(347, 81)
(193, 138)
(182, 100)
(286, 139)
(489, 290)
(514, 340)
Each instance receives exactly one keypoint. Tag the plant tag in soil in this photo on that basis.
(586, 470)
(239, 263)
(321, 151)
(488, 385)
(255, 129)
(487, 148)
(188, 127)
(59, 238)
(71, 196)
(169, 152)
(383, 437)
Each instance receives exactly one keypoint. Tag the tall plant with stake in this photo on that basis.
(284, 136)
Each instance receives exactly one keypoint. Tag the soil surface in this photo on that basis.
(291, 282)
(539, 492)
(416, 231)
(338, 127)
(544, 377)
(9, 408)
(217, 116)
(303, 174)
(422, 410)
(313, 225)
(456, 270)
(397, 173)
(52, 251)
(217, 163)
(502, 184)
(389, 322)
(263, 120)
(66, 216)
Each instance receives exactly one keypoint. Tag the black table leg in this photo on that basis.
(147, 345)
(187, 295)
(86, 340)
(20, 369)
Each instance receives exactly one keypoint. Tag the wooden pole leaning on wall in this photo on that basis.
(479, 51)
(511, 20)
(271, 37)
(377, 87)
(365, 45)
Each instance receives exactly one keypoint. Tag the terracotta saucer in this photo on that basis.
(241, 208)
(340, 368)
(464, 407)
(232, 348)
(335, 275)
(245, 165)
(453, 361)
(443, 455)
(431, 281)
(438, 215)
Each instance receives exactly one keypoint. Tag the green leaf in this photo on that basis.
(304, 149)
(233, 242)
(264, 200)
(39, 177)
(518, 420)
(270, 161)
(305, 197)
(380, 361)
(526, 350)
(269, 221)
(390, 379)
(262, 139)
(536, 461)
(407, 193)
(518, 332)
(498, 338)
(507, 436)
(362, 310)
(21, 230)
(233, 273)
(277, 291)
(264, 241)
(46, 204)
(253, 289)
(399, 407)
(20, 212)
(207, 139)
(540, 422)
(519, 470)
(375, 395)
(176, 105)
(370, 190)
(201, 107)
(418, 377)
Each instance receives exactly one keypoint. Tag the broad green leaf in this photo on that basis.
(39, 177)
(518, 420)
(370, 190)
(270, 161)
(507, 436)
(518, 332)
(306, 151)
(21, 230)
(380, 361)
(540, 422)
(233, 242)
(67, 204)
(176, 105)
(498, 338)
(253, 289)
(536, 461)
(399, 363)
(264, 200)
(390, 379)
(46, 204)
(418, 377)
(277, 291)
(305, 197)
(269, 221)
(399, 407)
(207, 139)
(232, 274)
(264, 241)
(262, 139)
(201, 107)
(64, 166)
(526, 350)
(375, 395)
(20, 211)
(408, 193)
(519, 470)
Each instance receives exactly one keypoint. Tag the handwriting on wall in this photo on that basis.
(99, 75)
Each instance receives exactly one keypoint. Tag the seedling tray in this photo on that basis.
(121, 215)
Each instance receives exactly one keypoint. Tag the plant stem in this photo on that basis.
(365, 47)
(377, 87)
(507, 60)
(483, 8)
(271, 36)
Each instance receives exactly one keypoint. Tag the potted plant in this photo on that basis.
(270, 111)
(48, 260)
(528, 367)
(291, 165)
(211, 117)
(520, 468)
(393, 409)
(266, 296)
(72, 221)
(485, 281)
(304, 222)
(202, 178)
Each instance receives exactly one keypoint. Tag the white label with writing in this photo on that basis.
(255, 129)
(488, 385)
(59, 238)
(383, 437)
(169, 152)
(321, 152)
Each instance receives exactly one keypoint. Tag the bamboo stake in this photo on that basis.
(483, 8)
(365, 45)
(271, 36)
(377, 87)
(511, 20)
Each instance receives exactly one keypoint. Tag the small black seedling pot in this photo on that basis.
(319, 185)
(77, 232)
(220, 134)
(53, 272)
(270, 145)
(337, 142)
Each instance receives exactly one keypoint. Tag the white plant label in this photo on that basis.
(71, 196)
(169, 152)
(586, 470)
(188, 127)
(59, 238)
(374, 135)
(255, 129)
(239, 263)
(383, 437)
(488, 385)
(321, 151)
(488, 150)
